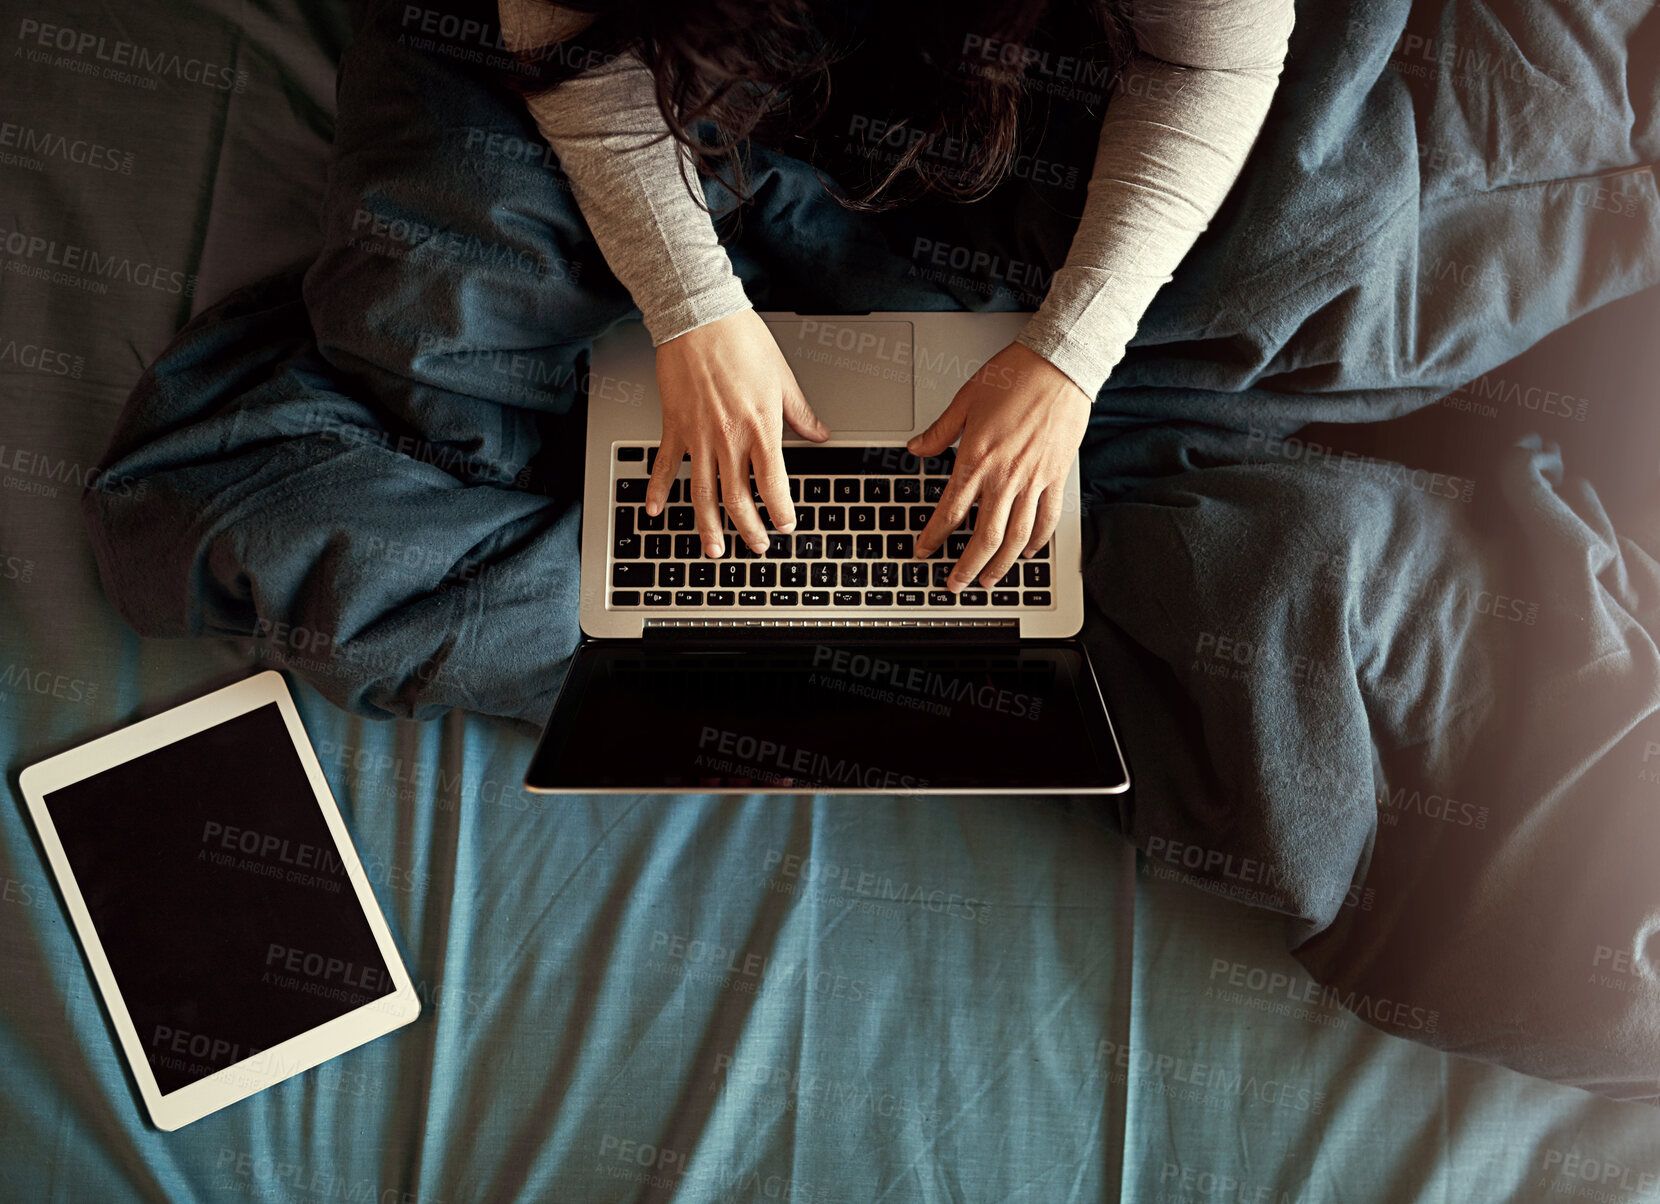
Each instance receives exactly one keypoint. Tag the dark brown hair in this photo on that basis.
(728, 71)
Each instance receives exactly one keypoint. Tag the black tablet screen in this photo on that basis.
(218, 896)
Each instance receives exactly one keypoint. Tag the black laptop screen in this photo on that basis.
(827, 717)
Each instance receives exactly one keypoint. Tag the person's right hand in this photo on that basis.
(722, 386)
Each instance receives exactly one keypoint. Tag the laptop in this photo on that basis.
(835, 660)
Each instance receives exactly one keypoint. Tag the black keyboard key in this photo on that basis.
(658, 547)
(671, 576)
(719, 597)
(626, 547)
(631, 489)
(763, 575)
(1010, 578)
(701, 574)
(891, 518)
(876, 490)
(625, 597)
(907, 489)
(688, 597)
(900, 547)
(809, 547)
(933, 488)
(973, 597)
(744, 551)
(1005, 597)
(956, 543)
(624, 521)
(631, 453)
(649, 522)
(1042, 553)
(969, 519)
(795, 489)
(815, 489)
(941, 597)
(915, 574)
(1036, 597)
(682, 518)
(920, 516)
(824, 574)
(838, 547)
(778, 546)
(687, 547)
(1036, 576)
(861, 518)
(885, 573)
(942, 571)
(792, 574)
(867, 547)
(752, 597)
(910, 597)
(845, 491)
(848, 597)
(878, 597)
(832, 518)
(815, 597)
(855, 574)
(783, 597)
(731, 574)
(806, 519)
(658, 597)
(638, 573)
(674, 493)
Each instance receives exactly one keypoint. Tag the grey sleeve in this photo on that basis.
(1172, 144)
(630, 180)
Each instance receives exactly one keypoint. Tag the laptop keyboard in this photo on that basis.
(858, 511)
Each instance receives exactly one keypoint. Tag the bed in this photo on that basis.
(633, 998)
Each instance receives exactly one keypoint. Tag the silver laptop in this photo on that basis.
(836, 635)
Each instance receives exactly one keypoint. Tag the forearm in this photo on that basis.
(630, 180)
(1167, 156)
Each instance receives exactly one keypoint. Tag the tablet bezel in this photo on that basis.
(287, 1058)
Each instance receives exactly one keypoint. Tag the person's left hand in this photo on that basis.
(1021, 420)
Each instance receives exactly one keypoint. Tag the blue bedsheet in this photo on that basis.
(758, 999)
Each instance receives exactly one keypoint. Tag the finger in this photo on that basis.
(740, 508)
(1048, 518)
(800, 415)
(988, 534)
(767, 462)
(959, 495)
(670, 449)
(705, 491)
(943, 431)
(1022, 519)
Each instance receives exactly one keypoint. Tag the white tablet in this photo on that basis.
(224, 912)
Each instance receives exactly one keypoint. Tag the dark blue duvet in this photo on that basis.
(1411, 706)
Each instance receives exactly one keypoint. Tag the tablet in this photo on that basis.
(226, 917)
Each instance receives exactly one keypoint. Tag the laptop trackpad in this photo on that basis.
(856, 374)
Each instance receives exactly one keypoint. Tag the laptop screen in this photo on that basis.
(831, 716)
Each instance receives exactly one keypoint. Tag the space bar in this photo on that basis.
(864, 461)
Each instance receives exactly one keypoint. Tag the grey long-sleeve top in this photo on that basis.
(1169, 151)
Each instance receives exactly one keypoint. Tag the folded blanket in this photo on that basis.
(1323, 666)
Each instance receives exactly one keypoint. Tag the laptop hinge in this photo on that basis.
(897, 630)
